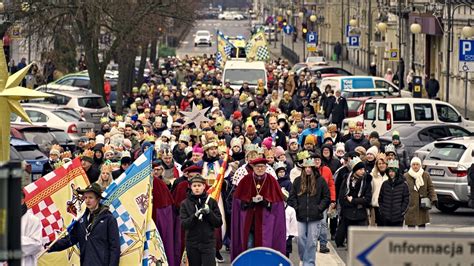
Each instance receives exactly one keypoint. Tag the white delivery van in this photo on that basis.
(342, 83)
(382, 115)
(239, 71)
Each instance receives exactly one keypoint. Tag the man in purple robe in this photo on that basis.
(258, 212)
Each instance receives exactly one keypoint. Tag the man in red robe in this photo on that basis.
(258, 212)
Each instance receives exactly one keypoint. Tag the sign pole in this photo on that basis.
(465, 94)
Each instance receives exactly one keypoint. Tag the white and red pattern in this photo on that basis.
(50, 218)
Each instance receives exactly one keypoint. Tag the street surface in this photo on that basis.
(462, 218)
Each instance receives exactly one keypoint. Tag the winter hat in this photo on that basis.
(395, 135)
(167, 134)
(291, 141)
(279, 151)
(236, 142)
(361, 151)
(374, 134)
(267, 142)
(356, 164)
(340, 147)
(415, 160)
(100, 139)
(390, 149)
(127, 143)
(373, 150)
(310, 139)
(237, 115)
(198, 149)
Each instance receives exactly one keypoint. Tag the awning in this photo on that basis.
(430, 24)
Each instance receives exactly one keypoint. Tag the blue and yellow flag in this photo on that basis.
(129, 200)
(257, 47)
(224, 48)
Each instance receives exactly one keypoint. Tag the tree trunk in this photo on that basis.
(141, 67)
(126, 63)
(153, 52)
(96, 72)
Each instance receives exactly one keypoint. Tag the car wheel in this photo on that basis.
(195, 45)
(210, 44)
(447, 207)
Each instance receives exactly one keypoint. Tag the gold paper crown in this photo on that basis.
(227, 123)
(88, 153)
(104, 120)
(148, 137)
(381, 156)
(302, 155)
(58, 164)
(332, 128)
(196, 132)
(269, 153)
(57, 148)
(253, 148)
(90, 134)
(294, 128)
(119, 118)
(185, 135)
(308, 162)
(66, 154)
(249, 123)
(107, 149)
(211, 144)
(106, 167)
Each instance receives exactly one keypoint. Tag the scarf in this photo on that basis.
(418, 177)
(357, 179)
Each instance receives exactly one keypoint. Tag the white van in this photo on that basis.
(239, 71)
(382, 115)
(342, 83)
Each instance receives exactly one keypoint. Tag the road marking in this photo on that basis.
(184, 42)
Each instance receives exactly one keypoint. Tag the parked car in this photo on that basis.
(316, 61)
(203, 37)
(43, 136)
(415, 136)
(382, 115)
(60, 119)
(324, 70)
(91, 106)
(27, 151)
(447, 165)
(343, 83)
(230, 16)
(270, 33)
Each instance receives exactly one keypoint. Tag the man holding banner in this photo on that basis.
(96, 232)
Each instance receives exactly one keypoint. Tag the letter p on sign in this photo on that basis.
(466, 47)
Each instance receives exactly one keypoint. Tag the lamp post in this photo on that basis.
(289, 14)
(301, 16)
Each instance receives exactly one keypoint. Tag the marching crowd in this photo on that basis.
(286, 174)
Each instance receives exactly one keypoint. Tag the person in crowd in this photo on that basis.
(291, 223)
(357, 139)
(339, 110)
(470, 181)
(370, 157)
(87, 163)
(200, 216)
(96, 232)
(378, 175)
(354, 197)
(105, 178)
(394, 197)
(31, 237)
(125, 162)
(310, 197)
(402, 153)
(432, 87)
(422, 195)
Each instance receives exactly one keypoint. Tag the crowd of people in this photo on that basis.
(286, 173)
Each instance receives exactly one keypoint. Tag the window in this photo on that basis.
(65, 116)
(432, 134)
(382, 84)
(339, 71)
(36, 117)
(66, 81)
(382, 111)
(58, 99)
(423, 112)
(13, 117)
(83, 83)
(447, 114)
(238, 76)
(92, 102)
(369, 113)
(401, 112)
(458, 131)
(447, 152)
(30, 152)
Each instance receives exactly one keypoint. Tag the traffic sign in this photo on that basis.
(288, 29)
(387, 246)
(466, 55)
(353, 41)
(311, 47)
(261, 256)
(394, 55)
(348, 29)
(312, 37)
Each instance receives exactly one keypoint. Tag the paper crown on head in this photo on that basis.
(294, 128)
(185, 135)
(107, 149)
(340, 146)
(279, 165)
(149, 138)
(90, 135)
(119, 118)
(393, 164)
(88, 153)
(227, 123)
(381, 156)
(356, 160)
(66, 154)
(55, 149)
(106, 167)
(104, 120)
(302, 155)
(211, 144)
(390, 148)
(308, 162)
(253, 148)
(196, 132)
(332, 128)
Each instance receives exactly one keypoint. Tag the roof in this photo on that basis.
(73, 93)
(244, 65)
(406, 100)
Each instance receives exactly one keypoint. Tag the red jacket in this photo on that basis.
(327, 174)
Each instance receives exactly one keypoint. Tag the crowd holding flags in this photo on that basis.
(256, 48)
(224, 48)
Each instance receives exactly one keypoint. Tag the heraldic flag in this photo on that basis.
(224, 49)
(257, 47)
(53, 199)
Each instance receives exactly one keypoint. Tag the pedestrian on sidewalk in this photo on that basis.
(389, 75)
(310, 197)
(200, 216)
(338, 51)
(373, 69)
(432, 88)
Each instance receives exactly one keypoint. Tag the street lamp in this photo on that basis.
(313, 18)
(288, 12)
(382, 27)
(301, 15)
(353, 22)
(467, 31)
(415, 28)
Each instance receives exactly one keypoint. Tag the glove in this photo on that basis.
(206, 209)
(198, 212)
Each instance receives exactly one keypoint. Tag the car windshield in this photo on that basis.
(30, 152)
(39, 137)
(202, 34)
(238, 76)
(91, 102)
(353, 105)
(61, 137)
(315, 59)
(65, 116)
(447, 152)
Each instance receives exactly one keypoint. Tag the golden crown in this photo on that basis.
(302, 155)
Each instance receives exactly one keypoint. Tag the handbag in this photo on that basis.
(425, 203)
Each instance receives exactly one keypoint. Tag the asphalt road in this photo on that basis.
(228, 27)
(463, 217)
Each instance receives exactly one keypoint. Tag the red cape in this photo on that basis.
(161, 194)
(271, 190)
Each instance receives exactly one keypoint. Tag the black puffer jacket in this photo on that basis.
(332, 162)
(393, 199)
(309, 208)
(199, 233)
(361, 194)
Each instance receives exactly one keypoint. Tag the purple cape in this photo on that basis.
(273, 228)
(164, 220)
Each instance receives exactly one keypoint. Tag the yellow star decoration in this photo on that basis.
(138, 239)
(10, 96)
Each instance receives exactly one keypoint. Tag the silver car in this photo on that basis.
(447, 165)
(55, 118)
(91, 106)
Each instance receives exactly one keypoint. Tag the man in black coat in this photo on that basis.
(394, 197)
(124, 164)
(96, 232)
(339, 110)
(432, 87)
(91, 171)
(277, 135)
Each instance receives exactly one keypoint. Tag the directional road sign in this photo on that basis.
(288, 29)
(466, 55)
(353, 41)
(312, 37)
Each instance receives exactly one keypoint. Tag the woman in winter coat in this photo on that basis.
(420, 186)
(354, 197)
(370, 157)
(310, 197)
(394, 197)
(328, 158)
(402, 153)
(378, 176)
